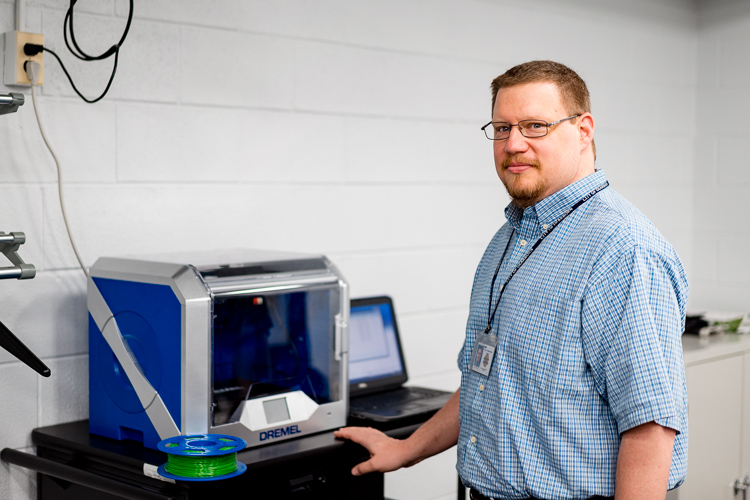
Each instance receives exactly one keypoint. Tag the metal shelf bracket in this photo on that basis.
(9, 244)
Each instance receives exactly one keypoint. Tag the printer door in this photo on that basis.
(274, 343)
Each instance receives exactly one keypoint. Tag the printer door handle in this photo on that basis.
(341, 329)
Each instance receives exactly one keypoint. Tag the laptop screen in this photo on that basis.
(374, 347)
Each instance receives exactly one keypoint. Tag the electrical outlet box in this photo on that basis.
(15, 74)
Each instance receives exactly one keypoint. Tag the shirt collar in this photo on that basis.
(552, 207)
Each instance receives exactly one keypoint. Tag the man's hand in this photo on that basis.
(386, 453)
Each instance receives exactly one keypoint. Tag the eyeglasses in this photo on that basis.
(500, 131)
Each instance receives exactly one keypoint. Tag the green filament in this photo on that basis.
(201, 467)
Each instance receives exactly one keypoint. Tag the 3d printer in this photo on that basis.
(251, 344)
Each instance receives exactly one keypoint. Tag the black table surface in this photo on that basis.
(317, 465)
(75, 437)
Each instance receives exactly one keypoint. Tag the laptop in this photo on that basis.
(377, 370)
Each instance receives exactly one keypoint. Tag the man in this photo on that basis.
(581, 303)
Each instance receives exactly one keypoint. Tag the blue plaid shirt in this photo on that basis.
(588, 347)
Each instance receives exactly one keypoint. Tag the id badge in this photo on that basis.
(483, 354)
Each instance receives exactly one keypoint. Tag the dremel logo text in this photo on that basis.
(281, 431)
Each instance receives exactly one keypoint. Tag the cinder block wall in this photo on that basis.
(721, 278)
(348, 128)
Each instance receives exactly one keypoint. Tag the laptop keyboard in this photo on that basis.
(397, 397)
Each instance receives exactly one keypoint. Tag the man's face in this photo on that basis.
(534, 168)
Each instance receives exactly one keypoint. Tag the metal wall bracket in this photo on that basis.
(9, 103)
(9, 244)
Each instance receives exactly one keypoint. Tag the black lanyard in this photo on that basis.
(491, 312)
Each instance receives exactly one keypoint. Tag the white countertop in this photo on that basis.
(696, 350)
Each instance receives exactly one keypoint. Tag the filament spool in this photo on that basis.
(201, 457)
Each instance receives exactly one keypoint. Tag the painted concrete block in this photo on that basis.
(384, 150)
(83, 138)
(47, 313)
(19, 410)
(227, 68)
(64, 397)
(325, 19)
(431, 342)
(199, 144)
(732, 158)
(25, 158)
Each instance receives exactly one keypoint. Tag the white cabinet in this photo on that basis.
(718, 381)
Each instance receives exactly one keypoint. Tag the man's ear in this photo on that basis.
(586, 129)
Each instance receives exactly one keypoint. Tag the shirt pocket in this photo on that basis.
(543, 342)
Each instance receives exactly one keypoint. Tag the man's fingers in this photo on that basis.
(359, 435)
(383, 449)
(344, 432)
(363, 468)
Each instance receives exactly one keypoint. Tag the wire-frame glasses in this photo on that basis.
(500, 131)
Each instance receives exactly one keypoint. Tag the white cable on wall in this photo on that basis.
(20, 15)
(32, 69)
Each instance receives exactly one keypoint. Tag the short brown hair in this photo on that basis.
(573, 90)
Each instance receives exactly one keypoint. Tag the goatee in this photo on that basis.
(524, 192)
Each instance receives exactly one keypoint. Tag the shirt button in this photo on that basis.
(523, 243)
(481, 387)
(473, 439)
(545, 226)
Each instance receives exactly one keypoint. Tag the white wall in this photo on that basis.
(722, 168)
(349, 128)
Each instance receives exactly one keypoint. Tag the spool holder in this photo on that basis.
(9, 244)
(9, 103)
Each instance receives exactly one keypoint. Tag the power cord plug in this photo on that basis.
(33, 69)
(32, 49)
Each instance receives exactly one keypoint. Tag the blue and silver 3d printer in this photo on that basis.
(247, 343)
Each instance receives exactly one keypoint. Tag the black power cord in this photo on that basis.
(31, 49)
